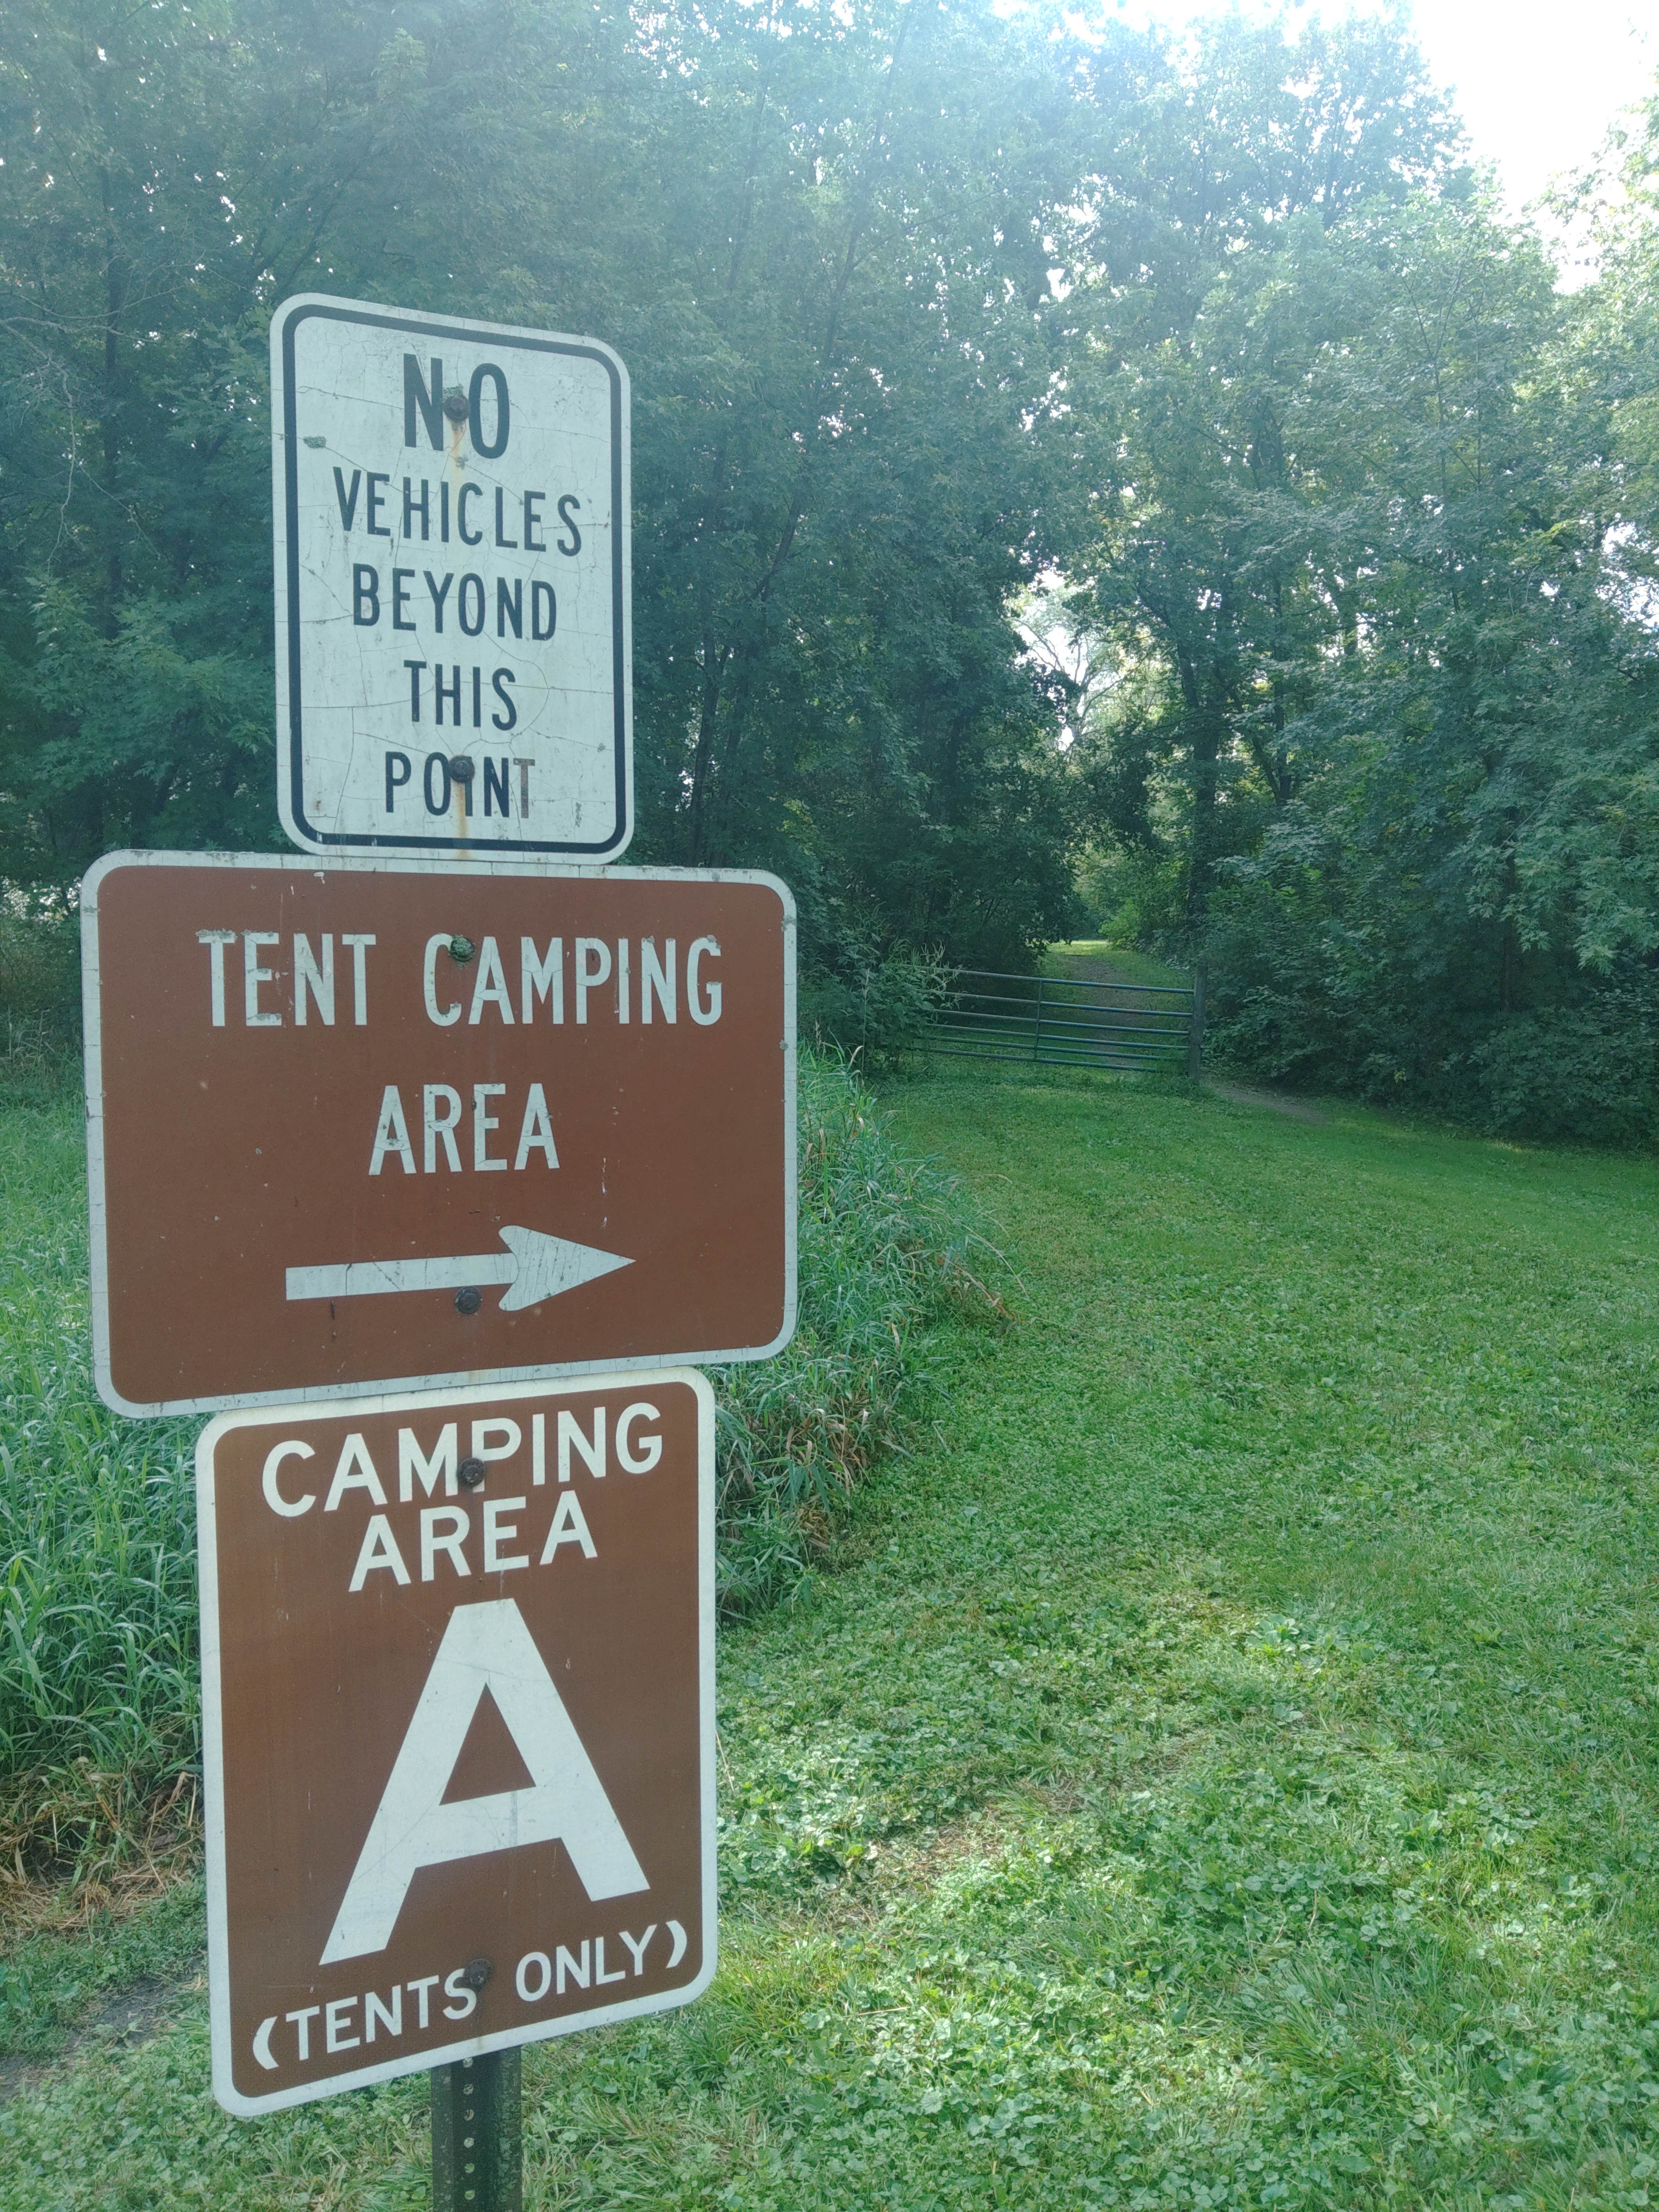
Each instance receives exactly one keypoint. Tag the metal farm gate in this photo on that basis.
(1059, 1022)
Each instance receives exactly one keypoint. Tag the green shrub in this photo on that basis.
(875, 1006)
(1313, 982)
(1133, 895)
(39, 970)
(1588, 1072)
(98, 1665)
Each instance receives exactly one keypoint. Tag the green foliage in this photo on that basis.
(1134, 896)
(1589, 1074)
(887, 1246)
(40, 971)
(814, 238)
(1374, 586)
(873, 1005)
(1216, 291)
(1324, 982)
(1227, 1779)
(1211, 346)
(40, 1000)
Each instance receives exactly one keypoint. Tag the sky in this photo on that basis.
(1537, 87)
(1538, 83)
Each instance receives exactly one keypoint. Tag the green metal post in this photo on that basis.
(1036, 1042)
(477, 2134)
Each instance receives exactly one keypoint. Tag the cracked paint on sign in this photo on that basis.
(451, 525)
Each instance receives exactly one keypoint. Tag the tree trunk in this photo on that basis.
(115, 290)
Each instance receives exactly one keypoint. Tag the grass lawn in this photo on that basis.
(1091, 960)
(1225, 1775)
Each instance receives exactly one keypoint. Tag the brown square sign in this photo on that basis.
(458, 1707)
(388, 1124)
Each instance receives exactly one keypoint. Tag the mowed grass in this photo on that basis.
(1091, 960)
(1225, 1775)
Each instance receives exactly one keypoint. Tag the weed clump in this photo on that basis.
(887, 1244)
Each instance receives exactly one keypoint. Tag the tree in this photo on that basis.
(817, 237)
(1210, 278)
(1475, 864)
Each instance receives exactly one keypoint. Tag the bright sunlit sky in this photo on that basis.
(1537, 85)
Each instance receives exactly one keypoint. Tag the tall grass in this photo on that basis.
(886, 1243)
(98, 1701)
(99, 1685)
(40, 998)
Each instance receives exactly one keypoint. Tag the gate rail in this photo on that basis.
(1068, 1022)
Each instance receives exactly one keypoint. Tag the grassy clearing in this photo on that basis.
(1092, 960)
(51, 1977)
(1227, 1778)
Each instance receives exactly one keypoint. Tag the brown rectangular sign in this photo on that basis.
(457, 1716)
(397, 1122)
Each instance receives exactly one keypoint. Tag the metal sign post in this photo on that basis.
(477, 2134)
(444, 1108)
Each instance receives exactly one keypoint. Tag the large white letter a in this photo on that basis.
(485, 1647)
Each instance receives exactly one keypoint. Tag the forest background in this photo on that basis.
(1084, 480)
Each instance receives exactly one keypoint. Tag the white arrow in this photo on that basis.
(535, 1267)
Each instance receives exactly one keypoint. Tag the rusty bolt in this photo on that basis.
(468, 1301)
(455, 405)
(470, 1472)
(461, 950)
(462, 768)
(476, 1972)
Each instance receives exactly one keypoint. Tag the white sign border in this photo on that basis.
(285, 462)
(97, 1209)
(213, 1762)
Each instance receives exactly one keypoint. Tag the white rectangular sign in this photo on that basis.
(453, 652)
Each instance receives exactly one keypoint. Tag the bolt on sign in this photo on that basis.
(458, 1709)
(452, 566)
(396, 1123)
